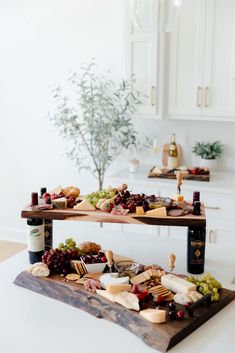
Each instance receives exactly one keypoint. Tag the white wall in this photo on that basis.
(41, 41)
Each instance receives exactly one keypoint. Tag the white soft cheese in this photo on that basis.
(177, 284)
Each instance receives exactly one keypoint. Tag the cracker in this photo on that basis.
(81, 280)
(169, 297)
(95, 275)
(142, 277)
(73, 276)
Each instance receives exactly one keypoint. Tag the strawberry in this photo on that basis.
(140, 296)
(135, 289)
(159, 299)
(144, 293)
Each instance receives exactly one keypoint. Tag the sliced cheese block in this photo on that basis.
(157, 212)
(128, 300)
(177, 284)
(84, 205)
(106, 295)
(156, 316)
(190, 297)
(142, 277)
(112, 278)
(59, 203)
(115, 288)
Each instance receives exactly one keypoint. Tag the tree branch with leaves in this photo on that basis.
(95, 118)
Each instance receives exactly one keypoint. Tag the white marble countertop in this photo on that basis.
(32, 322)
(220, 182)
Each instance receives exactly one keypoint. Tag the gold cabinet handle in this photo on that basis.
(212, 207)
(199, 89)
(211, 236)
(206, 96)
(153, 95)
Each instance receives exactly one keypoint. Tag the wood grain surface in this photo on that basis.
(199, 177)
(159, 336)
(105, 217)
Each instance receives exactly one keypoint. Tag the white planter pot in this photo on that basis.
(211, 164)
(134, 165)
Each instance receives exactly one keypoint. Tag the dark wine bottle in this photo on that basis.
(48, 228)
(35, 234)
(196, 250)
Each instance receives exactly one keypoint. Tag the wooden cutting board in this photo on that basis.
(172, 175)
(159, 336)
(105, 217)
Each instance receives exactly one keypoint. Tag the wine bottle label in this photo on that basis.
(197, 251)
(36, 238)
(172, 162)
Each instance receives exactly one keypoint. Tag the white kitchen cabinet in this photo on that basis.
(142, 56)
(201, 62)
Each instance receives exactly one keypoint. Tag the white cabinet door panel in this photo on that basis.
(185, 52)
(141, 55)
(219, 80)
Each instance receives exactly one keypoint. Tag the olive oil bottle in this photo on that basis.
(172, 162)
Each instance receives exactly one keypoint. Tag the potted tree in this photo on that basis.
(209, 153)
(95, 115)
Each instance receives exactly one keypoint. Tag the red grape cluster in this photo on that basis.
(94, 259)
(58, 261)
(130, 201)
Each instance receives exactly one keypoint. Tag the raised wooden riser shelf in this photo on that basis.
(158, 336)
(104, 217)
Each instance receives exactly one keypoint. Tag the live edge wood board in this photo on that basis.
(104, 217)
(172, 175)
(159, 336)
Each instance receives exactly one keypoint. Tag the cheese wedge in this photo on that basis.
(157, 212)
(128, 300)
(117, 288)
(156, 316)
(106, 295)
(177, 284)
(84, 205)
(60, 203)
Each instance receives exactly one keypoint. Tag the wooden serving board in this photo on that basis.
(172, 175)
(105, 217)
(159, 336)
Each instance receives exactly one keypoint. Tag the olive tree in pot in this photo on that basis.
(95, 118)
(209, 153)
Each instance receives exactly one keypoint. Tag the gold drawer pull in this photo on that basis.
(212, 236)
(153, 95)
(199, 89)
(206, 97)
(212, 207)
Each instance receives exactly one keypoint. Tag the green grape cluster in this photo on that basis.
(70, 243)
(207, 284)
(94, 197)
